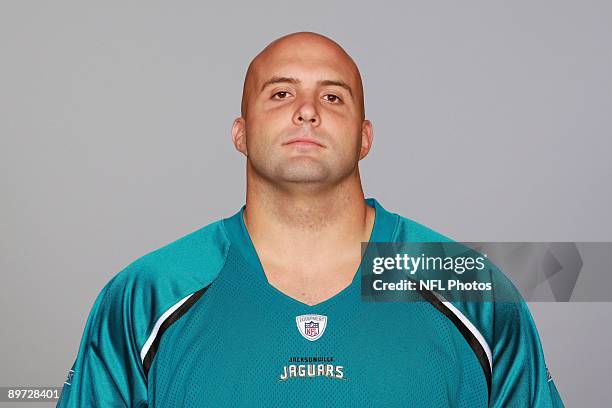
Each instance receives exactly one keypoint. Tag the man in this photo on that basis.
(263, 308)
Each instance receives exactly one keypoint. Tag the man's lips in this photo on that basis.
(304, 141)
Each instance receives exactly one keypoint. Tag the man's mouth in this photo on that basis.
(304, 141)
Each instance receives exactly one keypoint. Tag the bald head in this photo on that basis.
(301, 46)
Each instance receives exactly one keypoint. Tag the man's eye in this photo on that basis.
(333, 98)
(282, 94)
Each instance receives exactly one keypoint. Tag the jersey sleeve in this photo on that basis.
(121, 327)
(520, 377)
(107, 371)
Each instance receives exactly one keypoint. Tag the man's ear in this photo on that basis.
(239, 135)
(367, 135)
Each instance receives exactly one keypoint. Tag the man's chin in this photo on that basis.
(304, 178)
(300, 175)
(303, 171)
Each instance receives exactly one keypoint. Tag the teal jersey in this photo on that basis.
(196, 323)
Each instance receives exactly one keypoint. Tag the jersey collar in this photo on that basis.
(384, 230)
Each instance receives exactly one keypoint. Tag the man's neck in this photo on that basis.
(308, 239)
(307, 214)
(292, 226)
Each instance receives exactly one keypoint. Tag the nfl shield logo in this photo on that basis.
(311, 326)
(311, 329)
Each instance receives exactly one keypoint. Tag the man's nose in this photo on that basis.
(307, 113)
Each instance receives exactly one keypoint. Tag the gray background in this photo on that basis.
(491, 121)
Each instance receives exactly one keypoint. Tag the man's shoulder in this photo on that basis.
(193, 259)
(409, 230)
(153, 284)
(167, 274)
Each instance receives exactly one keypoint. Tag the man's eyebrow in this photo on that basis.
(291, 80)
(330, 82)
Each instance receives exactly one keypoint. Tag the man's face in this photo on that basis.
(304, 122)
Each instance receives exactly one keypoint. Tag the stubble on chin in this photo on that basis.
(302, 170)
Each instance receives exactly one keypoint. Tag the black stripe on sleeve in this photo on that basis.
(467, 334)
(177, 314)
